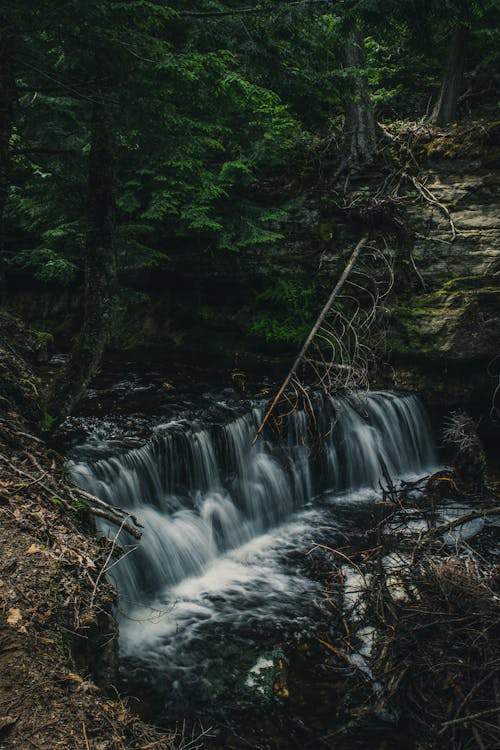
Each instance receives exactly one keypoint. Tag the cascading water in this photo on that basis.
(223, 521)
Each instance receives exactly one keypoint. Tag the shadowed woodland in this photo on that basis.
(219, 197)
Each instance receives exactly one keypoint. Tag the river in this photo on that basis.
(223, 588)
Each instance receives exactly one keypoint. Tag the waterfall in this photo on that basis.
(201, 490)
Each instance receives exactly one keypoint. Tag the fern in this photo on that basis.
(47, 265)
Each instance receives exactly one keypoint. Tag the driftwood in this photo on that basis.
(314, 330)
(114, 510)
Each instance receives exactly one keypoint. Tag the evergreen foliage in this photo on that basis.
(289, 311)
(213, 106)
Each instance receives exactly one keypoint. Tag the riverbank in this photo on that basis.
(58, 637)
(321, 649)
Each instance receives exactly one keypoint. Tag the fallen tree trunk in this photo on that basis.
(312, 334)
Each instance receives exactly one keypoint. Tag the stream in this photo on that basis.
(221, 592)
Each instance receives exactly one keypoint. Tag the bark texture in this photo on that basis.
(7, 102)
(445, 109)
(360, 136)
(101, 300)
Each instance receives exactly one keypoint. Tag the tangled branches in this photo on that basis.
(344, 344)
(437, 657)
(430, 598)
(347, 347)
(460, 432)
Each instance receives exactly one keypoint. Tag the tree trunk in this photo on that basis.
(360, 137)
(100, 291)
(7, 101)
(451, 86)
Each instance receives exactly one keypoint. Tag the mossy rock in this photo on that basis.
(492, 281)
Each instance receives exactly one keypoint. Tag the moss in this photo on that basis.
(458, 142)
(448, 323)
(466, 283)
(43, 343)
(47, 422)
(83, 518)
(44, 338)
(409, 334)
(422, 305)
(325, 231)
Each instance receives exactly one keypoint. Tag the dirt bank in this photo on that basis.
(58, 637)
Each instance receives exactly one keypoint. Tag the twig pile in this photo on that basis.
(437, 655)
(430, 602)
(436, 613)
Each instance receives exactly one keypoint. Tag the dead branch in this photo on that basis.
(430, 198)
(115, 510)
(312, 334)
(465, 519)
(470, 717)
(114, 520)
(104, 567)
(111, 514)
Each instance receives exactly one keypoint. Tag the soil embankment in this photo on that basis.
(58, 638)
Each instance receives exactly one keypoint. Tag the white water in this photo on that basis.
(224, 521)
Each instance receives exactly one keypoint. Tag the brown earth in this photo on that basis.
(57, 633)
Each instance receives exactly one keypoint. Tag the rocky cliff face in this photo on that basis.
(448, 331)
(457, 315)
